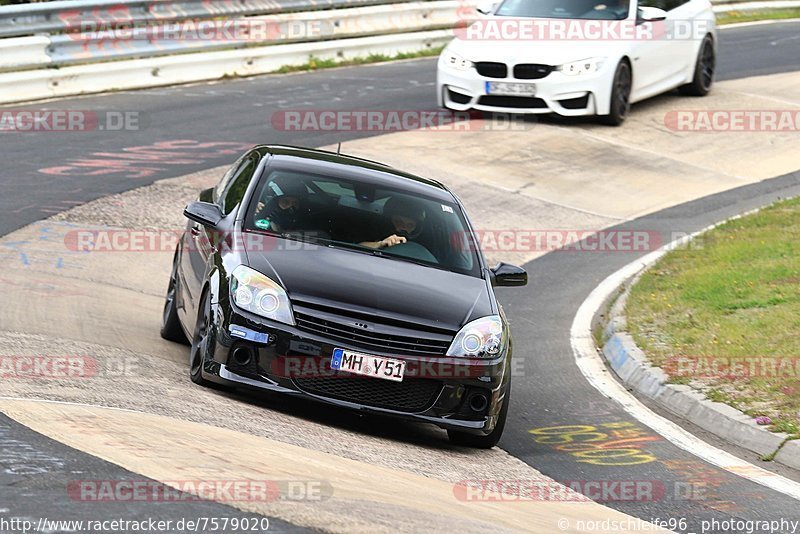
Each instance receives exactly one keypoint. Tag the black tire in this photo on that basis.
(620, 95)
(170, 325)
(202, 342)
(488, 441)
(704, 70)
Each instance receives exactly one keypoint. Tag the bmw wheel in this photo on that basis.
(703, 71)
(620, 95)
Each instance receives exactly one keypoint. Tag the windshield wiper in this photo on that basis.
(349, 246)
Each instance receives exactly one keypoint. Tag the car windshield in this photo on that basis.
(363, 218)
(565, 9)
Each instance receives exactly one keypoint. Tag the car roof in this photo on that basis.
(342, 165)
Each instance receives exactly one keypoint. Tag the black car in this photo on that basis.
(345, 281)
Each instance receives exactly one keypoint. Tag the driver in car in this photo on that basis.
(406, 220)
(279, 213)
(617, 9)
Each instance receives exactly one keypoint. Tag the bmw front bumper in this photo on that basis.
(588, 94)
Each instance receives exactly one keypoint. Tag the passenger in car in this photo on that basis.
(279, 212)
(404, 221)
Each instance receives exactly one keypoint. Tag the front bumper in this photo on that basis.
(569, 96)
(452, 393)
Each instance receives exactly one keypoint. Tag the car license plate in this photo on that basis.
(510, 89)
(364, 364)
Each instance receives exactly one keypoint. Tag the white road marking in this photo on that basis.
(593, 368)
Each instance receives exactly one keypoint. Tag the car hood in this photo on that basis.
(546, 52)
(377, 286)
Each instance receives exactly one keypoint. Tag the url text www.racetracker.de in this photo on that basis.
(144, 525)
(741, 526)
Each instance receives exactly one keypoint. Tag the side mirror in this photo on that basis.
(650, 14)
(504, 274)
(486, 8)
(205, 213)
(207, 195)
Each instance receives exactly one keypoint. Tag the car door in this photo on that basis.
(199, 241)
(691, 25)
(660, 61)
(654, 52)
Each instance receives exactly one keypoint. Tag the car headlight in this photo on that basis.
(486, 337)
(454, 61)
(259, 294)
(584, 66)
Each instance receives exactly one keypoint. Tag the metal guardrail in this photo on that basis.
(67, 15)
(81, 48)
(99, 43)
(41, 83)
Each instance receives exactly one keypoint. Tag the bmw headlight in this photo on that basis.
(584, 66)
(454, 61)
(259, 294)
(486, 337)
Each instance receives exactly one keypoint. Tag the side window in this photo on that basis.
(226, 178)
(669, 5)
(666, 5)
(234, 190)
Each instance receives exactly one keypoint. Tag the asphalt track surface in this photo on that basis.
(202, 126)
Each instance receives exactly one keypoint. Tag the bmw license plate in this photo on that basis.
(510, 89)
(366, 365)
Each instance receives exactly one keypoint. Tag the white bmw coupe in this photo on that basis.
(578, 57)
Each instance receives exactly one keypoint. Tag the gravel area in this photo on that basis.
(158, 206)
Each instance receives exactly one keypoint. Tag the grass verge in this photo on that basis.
(725, 316)
(732, 17)
(317, 63)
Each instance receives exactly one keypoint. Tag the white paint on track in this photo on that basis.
(594, 369)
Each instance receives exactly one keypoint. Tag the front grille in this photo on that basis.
(499, 101)
(410, 395)
(367, 339)
(531, 71)
(491, 69)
